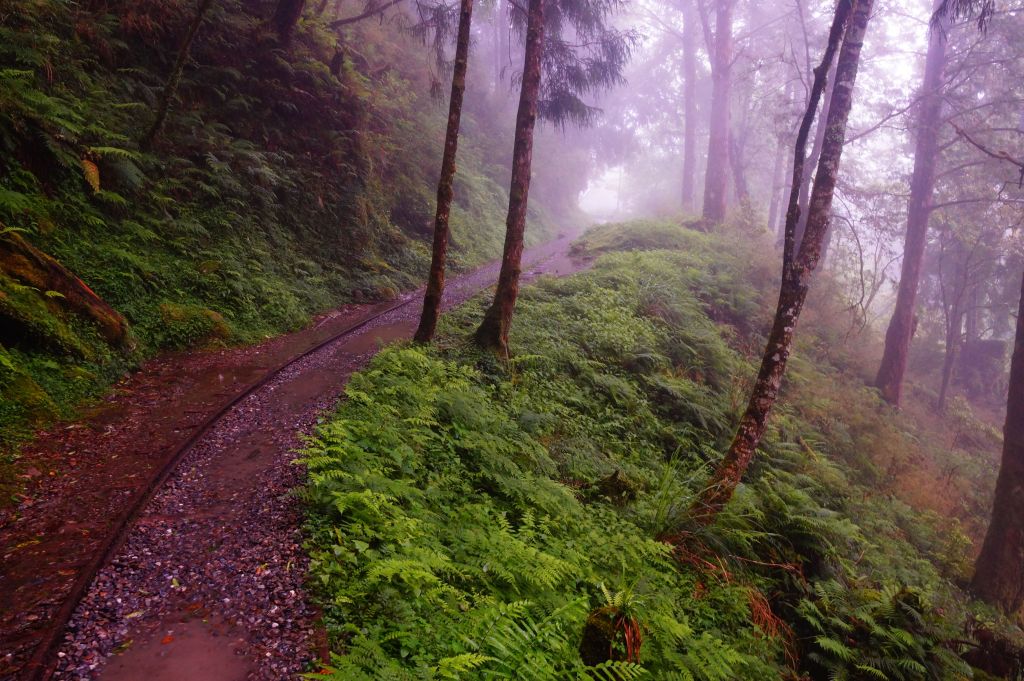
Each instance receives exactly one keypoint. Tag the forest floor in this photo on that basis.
(208, 581)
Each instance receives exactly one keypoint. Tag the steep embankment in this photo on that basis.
(289, 178)
(472, 518)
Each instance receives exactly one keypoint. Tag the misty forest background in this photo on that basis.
(634, 484)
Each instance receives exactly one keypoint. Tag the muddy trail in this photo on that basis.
(158, 537)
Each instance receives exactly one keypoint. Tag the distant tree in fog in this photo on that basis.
(847, 36)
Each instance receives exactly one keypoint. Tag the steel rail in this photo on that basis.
(42, 665)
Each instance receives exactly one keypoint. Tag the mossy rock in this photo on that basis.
(27, 398)
(982, 676)
(597, 645)
(186, 325)
(616, 488)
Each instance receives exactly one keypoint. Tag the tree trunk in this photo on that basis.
(717, 174)
(777, 187)
(739, 177)
(504, 22)
(435, 281)
(972, 331)
(825, 245)
(689, 109)
(31, 267)
(999, 571)
(493, 331)
(286, 17)
(953, 337)
(796, 271)
(496, 42)
(897, 337)
(171, 86)
(812, 160)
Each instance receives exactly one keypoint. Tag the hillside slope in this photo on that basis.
(471, 519)
(289, 178)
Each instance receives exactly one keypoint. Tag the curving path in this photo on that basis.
(205, 582)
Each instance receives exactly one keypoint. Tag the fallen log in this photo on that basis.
(29, 266)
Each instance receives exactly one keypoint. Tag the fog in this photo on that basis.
(630, 159)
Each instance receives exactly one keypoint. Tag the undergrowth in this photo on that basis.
(285, 182)
(470, 518)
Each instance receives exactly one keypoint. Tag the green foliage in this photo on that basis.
(278, 188)
(867, 633)
(461, 523)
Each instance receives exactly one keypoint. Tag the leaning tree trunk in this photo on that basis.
(796, 271)
(716, 178)
(897, 337)
(689, 109)
(33, 268)
(435, 281)
(171, 86)
(493, 331)
(999, 571)
(812, 160)
(286, 17)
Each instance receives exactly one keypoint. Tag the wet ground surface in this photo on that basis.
(208, 583)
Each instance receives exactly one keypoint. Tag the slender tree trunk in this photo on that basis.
(493, 331)
(689, 108)
(499, 13)
(999, 571)
(953, 337)
(286, 17)
(739, 177)
(171, 86)
(435, 281)
(504, 48)
(797, 270)
(897, 337)
(777, 187)
(812, 160)
(972, 331)
(717, 175)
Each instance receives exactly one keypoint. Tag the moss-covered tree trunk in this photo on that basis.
(27, 265)
(796, 272)
(171, 86)
(889, 379)
(716, 178)
(493, 331)
(999, 571)
(435, 280)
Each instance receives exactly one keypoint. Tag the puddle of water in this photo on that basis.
(380, 336)
(190, 651)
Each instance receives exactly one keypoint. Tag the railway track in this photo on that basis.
(43, 662)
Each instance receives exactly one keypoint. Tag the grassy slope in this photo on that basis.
(278, 190)
(466, 516)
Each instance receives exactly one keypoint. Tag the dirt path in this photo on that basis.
(208, 582)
